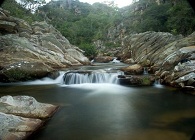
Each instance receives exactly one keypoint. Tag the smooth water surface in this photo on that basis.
(112, 112)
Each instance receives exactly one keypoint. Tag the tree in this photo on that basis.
(17, 10)
(154, 18)
(181, 19)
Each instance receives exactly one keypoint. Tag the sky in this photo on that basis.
(119, 3)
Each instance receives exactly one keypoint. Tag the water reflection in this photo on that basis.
(112, 112)
(102, 88)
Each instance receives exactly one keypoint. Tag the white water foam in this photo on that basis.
(93, 77)
(46, 80)
(158, 84)
(115, 60)
(102, 88)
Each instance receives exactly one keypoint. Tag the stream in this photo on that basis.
(105, 110)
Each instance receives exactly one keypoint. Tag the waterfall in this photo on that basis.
(157, 83)
(115, 60)
(91, 77)
(45, 81)
(92, 61)
(145, 70)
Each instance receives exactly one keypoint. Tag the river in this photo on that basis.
(106, 111)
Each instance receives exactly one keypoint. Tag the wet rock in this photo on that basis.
(23, 71)
(26, 106)
(17, 128)
(129, 61)
(103, 59)
(141, 80)
(133, 69)
(20, 116)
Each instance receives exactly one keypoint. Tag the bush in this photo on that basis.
(89, 49)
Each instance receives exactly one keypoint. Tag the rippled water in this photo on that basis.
(112, 112)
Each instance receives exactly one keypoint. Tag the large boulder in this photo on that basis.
(16, 127)
(20, 116)
(26, 106)
(135, 80)
(103, 59)
(23, 71)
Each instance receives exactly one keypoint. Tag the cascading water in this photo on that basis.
(115, 60)
(157, 83)
(91, 77)
(109, 111)
(145, 70)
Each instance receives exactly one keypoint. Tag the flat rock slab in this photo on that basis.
(26, 106)
(17, 128)
(20, 116)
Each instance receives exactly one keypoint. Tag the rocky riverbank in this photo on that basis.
(33, 51)
(171, 58)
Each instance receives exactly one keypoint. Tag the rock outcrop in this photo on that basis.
(170, 57)
(33, 51)
(20, 116)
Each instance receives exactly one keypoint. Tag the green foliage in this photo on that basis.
(112, 45)
(89, 49)
(181, 19)
(178, 18)
(91, 24)
(146, 81)
(82, 23)
(155, 18)
(17, 10)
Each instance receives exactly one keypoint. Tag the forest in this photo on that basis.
(84, 24)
